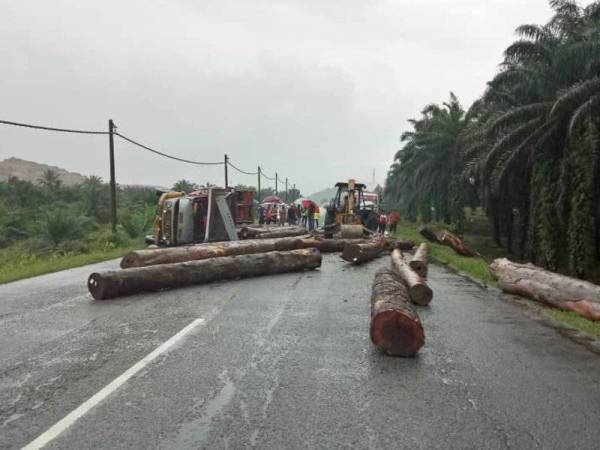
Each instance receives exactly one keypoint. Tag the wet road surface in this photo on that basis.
(285, 362)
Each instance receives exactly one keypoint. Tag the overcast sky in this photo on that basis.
(319, 90)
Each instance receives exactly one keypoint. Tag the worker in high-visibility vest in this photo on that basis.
(317, 216)
(304, 214)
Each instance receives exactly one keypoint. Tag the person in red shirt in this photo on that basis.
(394, 219)
(383, 219)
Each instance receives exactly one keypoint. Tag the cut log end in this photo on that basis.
(96, 287)
(421, 294)
(397, 333)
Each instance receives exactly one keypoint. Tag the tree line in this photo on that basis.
(527, 151)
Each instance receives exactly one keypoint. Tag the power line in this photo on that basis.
(240, 170)
(268, 178)
(189, 161)
(40, 127)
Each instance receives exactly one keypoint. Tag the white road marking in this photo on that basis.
(60, 426)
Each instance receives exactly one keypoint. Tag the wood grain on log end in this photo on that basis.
(397, 333)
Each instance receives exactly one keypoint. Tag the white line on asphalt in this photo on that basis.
(60, 426)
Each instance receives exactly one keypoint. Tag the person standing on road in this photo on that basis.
(382, 222)
(311, 216)
(283, 215)
(304, 210)
(317, 216)
(292, 215)
(261, 215)
(394, 219)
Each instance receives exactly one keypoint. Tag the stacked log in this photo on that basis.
(169, 255)
(270, 232)
(418, 262)
(360, 252)
(115, 283)
(395, 326)
(420, 293)
(446, 238)
(550, 288)
(327, 245)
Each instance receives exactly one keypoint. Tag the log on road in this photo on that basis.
(270, 231)
(169, 255)
(395, 326)
(553, 289)
(360, 252)
(418, 262)
(327, 245)
(115, 283)
(420, 293)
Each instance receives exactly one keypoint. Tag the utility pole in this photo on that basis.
(286, 190)
(113, 183)
(226, 174)
(276, 181)
(258, 192)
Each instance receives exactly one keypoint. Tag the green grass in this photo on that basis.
(474, 266)
(17, 263)
(576, 321)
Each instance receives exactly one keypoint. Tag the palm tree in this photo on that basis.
(52, 183)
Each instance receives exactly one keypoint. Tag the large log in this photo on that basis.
(446, 238)
(395, 326)
(289, 232)
(115, 283)
(257, 231)
(418, 262)
(419, 292)
(553, 289)
(168, 255)
(327, 245)
(360, 252)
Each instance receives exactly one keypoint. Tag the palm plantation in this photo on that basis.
(527, 151)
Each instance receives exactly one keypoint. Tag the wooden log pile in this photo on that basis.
(271, 232)
(446, 238)
(396, 327)
(360, 252)
(420, 293)
(116, 283)
(550, 288)
(169, 255)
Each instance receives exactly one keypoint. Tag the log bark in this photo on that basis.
(169, 255)
(553, 289)
(446, 238)
(352, 231)
(395, 326)
(327, 245)
(419, 292)
(404, 245)
(297, 231)
(418, 262)
(257, 231)
(360, 252)
(116, 283)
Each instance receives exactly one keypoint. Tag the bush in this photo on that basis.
(60, 225)
(137, 223)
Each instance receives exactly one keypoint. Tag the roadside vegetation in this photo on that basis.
(46, 226)
(527, 152)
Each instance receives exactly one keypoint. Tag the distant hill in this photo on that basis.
(323, 196)
(32, 171)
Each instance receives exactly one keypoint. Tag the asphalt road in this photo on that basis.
(285, 362)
